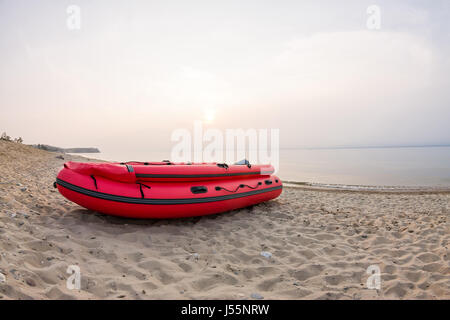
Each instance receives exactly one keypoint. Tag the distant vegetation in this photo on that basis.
(5, 137)
(67, 150)
(81, 150)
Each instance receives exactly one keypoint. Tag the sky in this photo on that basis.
(135, 71)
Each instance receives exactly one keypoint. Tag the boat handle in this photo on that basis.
(199, 189)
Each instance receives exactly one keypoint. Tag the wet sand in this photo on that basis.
(319, 241)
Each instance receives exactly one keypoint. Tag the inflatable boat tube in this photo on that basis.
(168, 171)
(138, 190)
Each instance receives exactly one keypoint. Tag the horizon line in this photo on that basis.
(369, 147)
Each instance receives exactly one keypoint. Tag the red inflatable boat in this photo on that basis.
(165, 189)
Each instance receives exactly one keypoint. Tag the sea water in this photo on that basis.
(392, 166)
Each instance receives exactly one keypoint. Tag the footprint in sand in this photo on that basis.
(428, 257)
(307, 272)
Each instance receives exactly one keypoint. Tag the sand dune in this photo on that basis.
(321, 243)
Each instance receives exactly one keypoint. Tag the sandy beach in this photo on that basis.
(319, 242)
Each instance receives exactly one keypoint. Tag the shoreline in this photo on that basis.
(365, 188)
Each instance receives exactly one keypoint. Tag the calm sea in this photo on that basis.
(405, 166)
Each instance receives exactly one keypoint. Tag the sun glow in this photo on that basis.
(209, 115)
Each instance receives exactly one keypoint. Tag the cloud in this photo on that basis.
(343, 63)
(358, 87)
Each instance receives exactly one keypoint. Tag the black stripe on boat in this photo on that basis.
(149, 175)
(112, 197)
